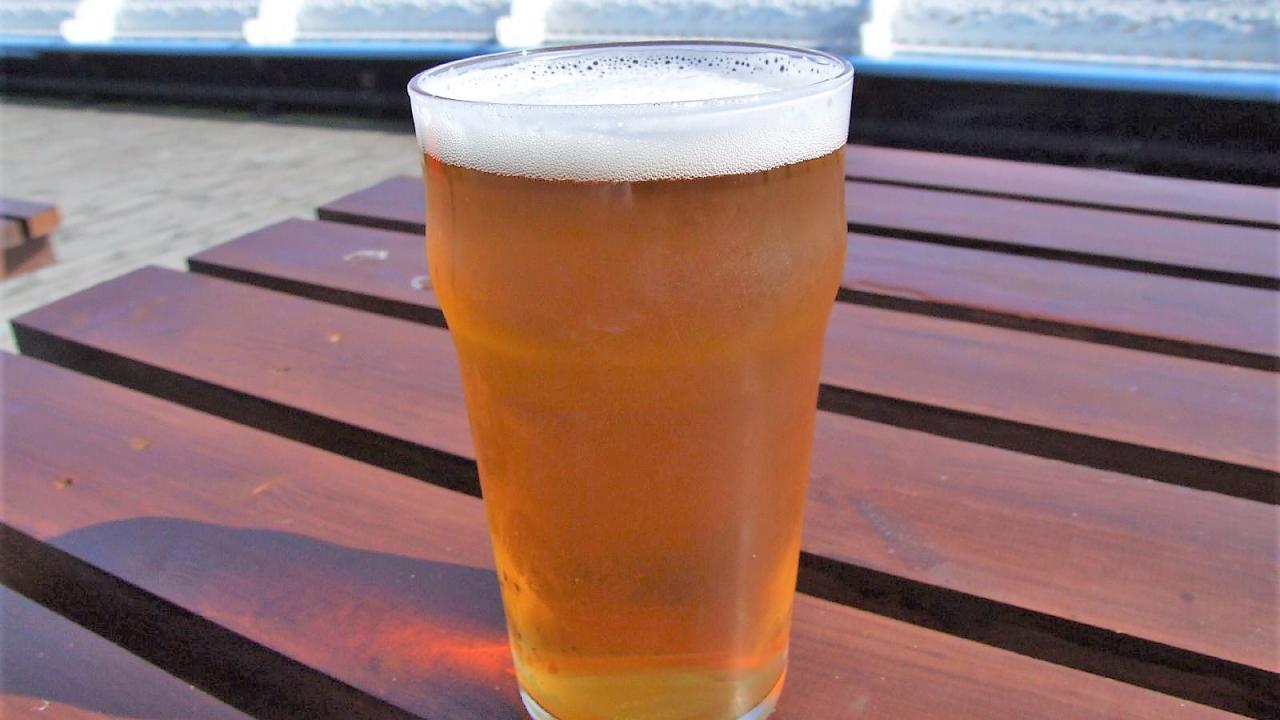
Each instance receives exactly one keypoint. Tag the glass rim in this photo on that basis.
(843, 76)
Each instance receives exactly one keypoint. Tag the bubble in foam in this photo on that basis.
(630, 113)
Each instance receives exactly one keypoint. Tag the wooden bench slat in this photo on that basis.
(397, 203)
(1178, 566)
(1188, 407)
(1224, 323)
(1208, 251)
(1175, 197)
(1222, 253)
(396, 381)
(52, 668)
(1178, 316)
(26, 227)
(38, 219)
(284, 545)
(379, 270)
(1115, 394)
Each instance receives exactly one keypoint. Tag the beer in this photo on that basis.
(640, 335)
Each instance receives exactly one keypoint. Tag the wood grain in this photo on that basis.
(283, 544)
(1104, 189)
(1239, 255)
(385, 272)
(52, 668)
(388, 392)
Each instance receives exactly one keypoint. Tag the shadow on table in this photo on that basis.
(423, 635)
(47, 663)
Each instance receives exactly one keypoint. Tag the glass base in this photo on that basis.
(759, 712)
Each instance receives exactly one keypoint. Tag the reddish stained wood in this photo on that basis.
(1194, 199)
(1242, 255)
(275, 347)
(1181, 566)
(325, 260)
(1173, 404)
(38, 219)
(282, 543)
(26, 229)
(399, 380)
(52, 668)
(1225, 323)
(275, 541)
(397, 203)
(385, 272)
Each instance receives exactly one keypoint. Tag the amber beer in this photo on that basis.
(638, 307)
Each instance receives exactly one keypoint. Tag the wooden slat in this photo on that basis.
(26, 230)
(1174, 197)
(398, 203)
(52, 668)
(1182, 567)
(281, 544)
(1196, 409)
(1209, 251)
(38, 219)
(1221, 253)
(1210, 321)
(1078, 390)
(376, 270)
(1176, 316)
(386, 390)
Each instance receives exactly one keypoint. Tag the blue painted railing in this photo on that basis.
(1234, 85)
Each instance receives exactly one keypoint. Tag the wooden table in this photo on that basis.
(1044, 479)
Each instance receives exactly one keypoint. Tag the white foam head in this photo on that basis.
(642, 111)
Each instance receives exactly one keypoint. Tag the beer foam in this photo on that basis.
(631, 113)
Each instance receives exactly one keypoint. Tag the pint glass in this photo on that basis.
(636, 248)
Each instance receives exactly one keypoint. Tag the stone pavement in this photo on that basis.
(151, 185)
